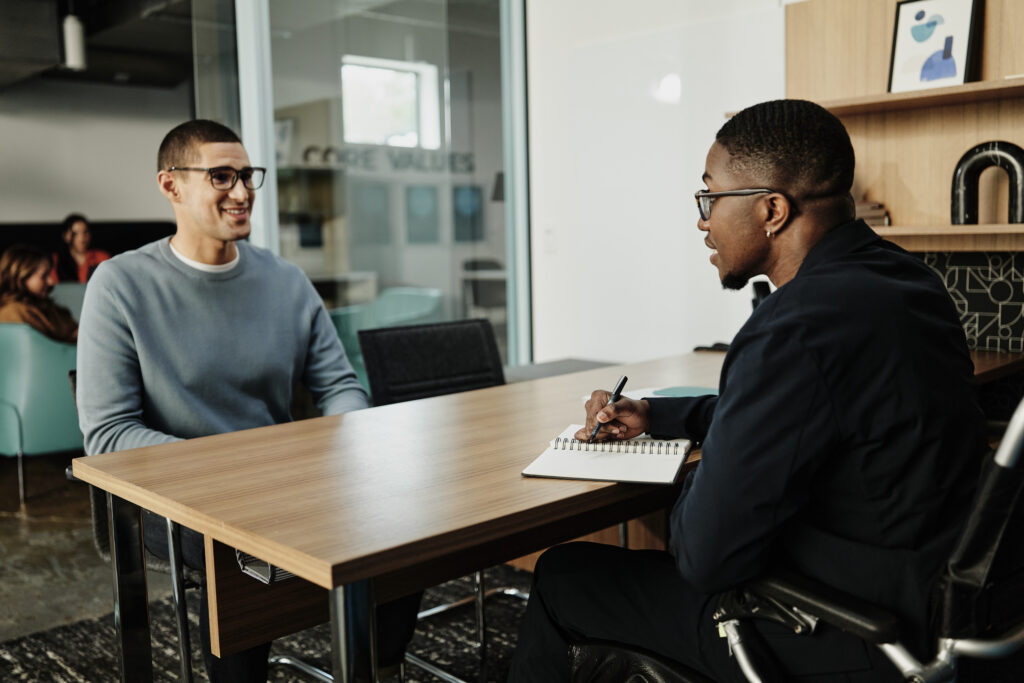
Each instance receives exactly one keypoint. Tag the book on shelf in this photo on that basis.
(872, 213)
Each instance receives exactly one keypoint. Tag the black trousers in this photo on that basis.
(396, 620)
(589, 591)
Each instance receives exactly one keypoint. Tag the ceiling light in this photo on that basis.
(74, 43)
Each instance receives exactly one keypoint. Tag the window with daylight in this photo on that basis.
(390, 102)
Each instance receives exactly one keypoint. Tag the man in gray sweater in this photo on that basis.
(202, 333)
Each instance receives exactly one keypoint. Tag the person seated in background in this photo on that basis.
(203, 333)
(76, 261)
(25, 284)
(844, 444)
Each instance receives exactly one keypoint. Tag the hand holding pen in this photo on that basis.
(616, 395)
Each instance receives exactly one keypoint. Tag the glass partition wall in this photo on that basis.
(387, 133)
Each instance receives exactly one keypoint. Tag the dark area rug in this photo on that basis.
(85, 651)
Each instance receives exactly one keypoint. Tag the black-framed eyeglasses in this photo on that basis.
(705, 198)
(225, 177)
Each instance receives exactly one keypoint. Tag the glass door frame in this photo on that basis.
(255, 101)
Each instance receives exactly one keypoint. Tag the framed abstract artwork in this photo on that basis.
(935, 43)
(468, 213)
(422, 222)
(369, 204)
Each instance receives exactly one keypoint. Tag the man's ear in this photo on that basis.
(168, 186)
(777, 212)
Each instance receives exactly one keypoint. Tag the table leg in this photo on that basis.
(131, 600)
(339, 637)
(342, 663)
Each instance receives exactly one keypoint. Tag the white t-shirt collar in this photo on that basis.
(206, 267)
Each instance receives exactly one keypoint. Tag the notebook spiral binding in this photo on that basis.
(652, 447)
(261, 570)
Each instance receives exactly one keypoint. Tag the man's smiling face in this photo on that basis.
(210, 214)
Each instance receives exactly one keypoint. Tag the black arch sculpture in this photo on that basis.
(1005, 155)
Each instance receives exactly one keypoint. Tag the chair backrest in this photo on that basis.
(37, 414)
(418, 361)
(70, 295)
(348, 320)
(981, 591)
(97, 496)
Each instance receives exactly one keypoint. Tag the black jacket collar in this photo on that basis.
(840, 240)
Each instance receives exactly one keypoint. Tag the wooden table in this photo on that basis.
(409, 495)
(992, 365)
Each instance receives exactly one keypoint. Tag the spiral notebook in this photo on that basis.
(641, 460)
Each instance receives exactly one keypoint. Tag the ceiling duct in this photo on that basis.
(135, 42)
(29, 39)
(127, 42)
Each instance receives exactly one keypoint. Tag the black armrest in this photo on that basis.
(69, 473)
(834, 607)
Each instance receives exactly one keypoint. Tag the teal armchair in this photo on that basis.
(37, 410)
(70, 295)
(405, 306)
(348, 320)
(395, 306)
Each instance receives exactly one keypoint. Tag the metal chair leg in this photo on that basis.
(449, 606)
(298, 664)
(372, 621)
(21, 480)
(481, 626)
(428, 667)
(178, 592)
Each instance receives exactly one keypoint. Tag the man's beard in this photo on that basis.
(732, 281)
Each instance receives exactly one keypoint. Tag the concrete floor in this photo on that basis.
(50, 572)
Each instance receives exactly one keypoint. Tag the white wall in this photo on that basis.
(619, 268)
(84, 147)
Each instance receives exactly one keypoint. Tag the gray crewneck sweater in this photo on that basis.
(168, 352)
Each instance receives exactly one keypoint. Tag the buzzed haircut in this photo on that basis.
(180, 145)
(791, 145)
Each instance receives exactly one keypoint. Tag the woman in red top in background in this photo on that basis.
(76, 261)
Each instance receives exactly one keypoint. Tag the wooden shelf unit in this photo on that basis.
(979, 91)
(1004, 237)
(908, 144)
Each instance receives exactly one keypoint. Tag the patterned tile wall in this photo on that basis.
(988, 288)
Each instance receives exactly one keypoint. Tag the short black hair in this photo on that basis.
(793, 146)
(179, 146)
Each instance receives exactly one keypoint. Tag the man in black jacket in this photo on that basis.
(843, 444)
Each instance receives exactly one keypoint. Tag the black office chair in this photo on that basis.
(421, 361)
(978, 603)
(182, 577)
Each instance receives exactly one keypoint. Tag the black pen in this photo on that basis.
(616, 394)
